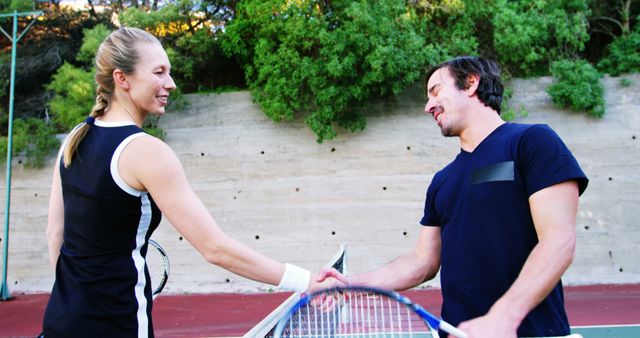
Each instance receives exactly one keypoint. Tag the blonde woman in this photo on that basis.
(110, 185)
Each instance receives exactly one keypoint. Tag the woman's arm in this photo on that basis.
(55, 221)
(149, 164)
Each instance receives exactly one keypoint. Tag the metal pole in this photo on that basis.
(4, 288)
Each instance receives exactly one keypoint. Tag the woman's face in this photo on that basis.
(151, 80)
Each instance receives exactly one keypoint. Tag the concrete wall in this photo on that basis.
(273, 187)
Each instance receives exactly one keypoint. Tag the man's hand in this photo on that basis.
(488, 326)
(325, 279)
(330, 272)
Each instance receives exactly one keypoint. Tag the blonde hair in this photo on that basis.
(117, 51)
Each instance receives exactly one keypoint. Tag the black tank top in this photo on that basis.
(102, 288)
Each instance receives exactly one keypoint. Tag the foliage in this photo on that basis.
(623, 55)
(612, 18)
(321, 60)
(190, 32)
(448, 27)
(32, 137)
(198, 62)
(511, 113)
(624, 82)
(16, 5)
(5, 59)
(167, 21)
(529, 35)
(74, 95)
(218, 90)
(507, 111)
(90, 43)
(325, 61)
(192, 52)
(151, 127)
(577, 85)
(42, 49)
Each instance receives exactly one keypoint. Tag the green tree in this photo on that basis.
(325, 60)
(74, 95)
(529, 35)
(623, 55)
(92, 38)
(16, 5)
(41, 50)
(449, 26)
(34, 138)
(613, 18)
(190, 31)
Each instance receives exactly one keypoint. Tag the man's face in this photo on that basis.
(446, 103)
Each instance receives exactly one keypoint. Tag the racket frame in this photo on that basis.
(153, 245)
(430, 320)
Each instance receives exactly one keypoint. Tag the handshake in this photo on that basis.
(327, 278)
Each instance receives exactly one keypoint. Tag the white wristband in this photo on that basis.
(295, 278)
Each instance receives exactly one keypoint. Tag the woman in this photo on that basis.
(109, 185)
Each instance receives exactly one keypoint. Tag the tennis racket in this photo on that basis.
(158, 266)
(359, 311)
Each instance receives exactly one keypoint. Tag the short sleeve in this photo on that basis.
(430, 217)
(545, 160)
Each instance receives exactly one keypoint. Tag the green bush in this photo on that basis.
(623, 55)
(198, 61)
(75, 95)
(33, 138)
(5, 59)
(624, 82)
(17, 5)
(325, 61)
(529, 35)
(188, 30)
(448, 27)
(577, 85)
(90, 43)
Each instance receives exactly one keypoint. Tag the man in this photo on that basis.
(499, 221)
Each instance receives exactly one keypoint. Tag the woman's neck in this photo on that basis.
(121, 112)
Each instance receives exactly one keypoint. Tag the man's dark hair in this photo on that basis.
(490, 88)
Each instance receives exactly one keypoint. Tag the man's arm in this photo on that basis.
(554, 212)
(409, 270)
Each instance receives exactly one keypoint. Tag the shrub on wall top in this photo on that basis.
(325, 61)
(623, 55)
(577, 86)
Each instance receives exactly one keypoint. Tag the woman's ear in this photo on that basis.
(120, 79)
(473, 80)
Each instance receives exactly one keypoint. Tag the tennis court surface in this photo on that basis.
(599, 311)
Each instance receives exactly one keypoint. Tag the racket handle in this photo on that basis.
(444, 326)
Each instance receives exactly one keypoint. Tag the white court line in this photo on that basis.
(603, 326)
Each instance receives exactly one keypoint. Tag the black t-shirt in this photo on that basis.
(480, 201)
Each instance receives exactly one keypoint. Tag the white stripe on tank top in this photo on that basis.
(143, 228)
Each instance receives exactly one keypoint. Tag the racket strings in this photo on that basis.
(158, 267)
(354, 314)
